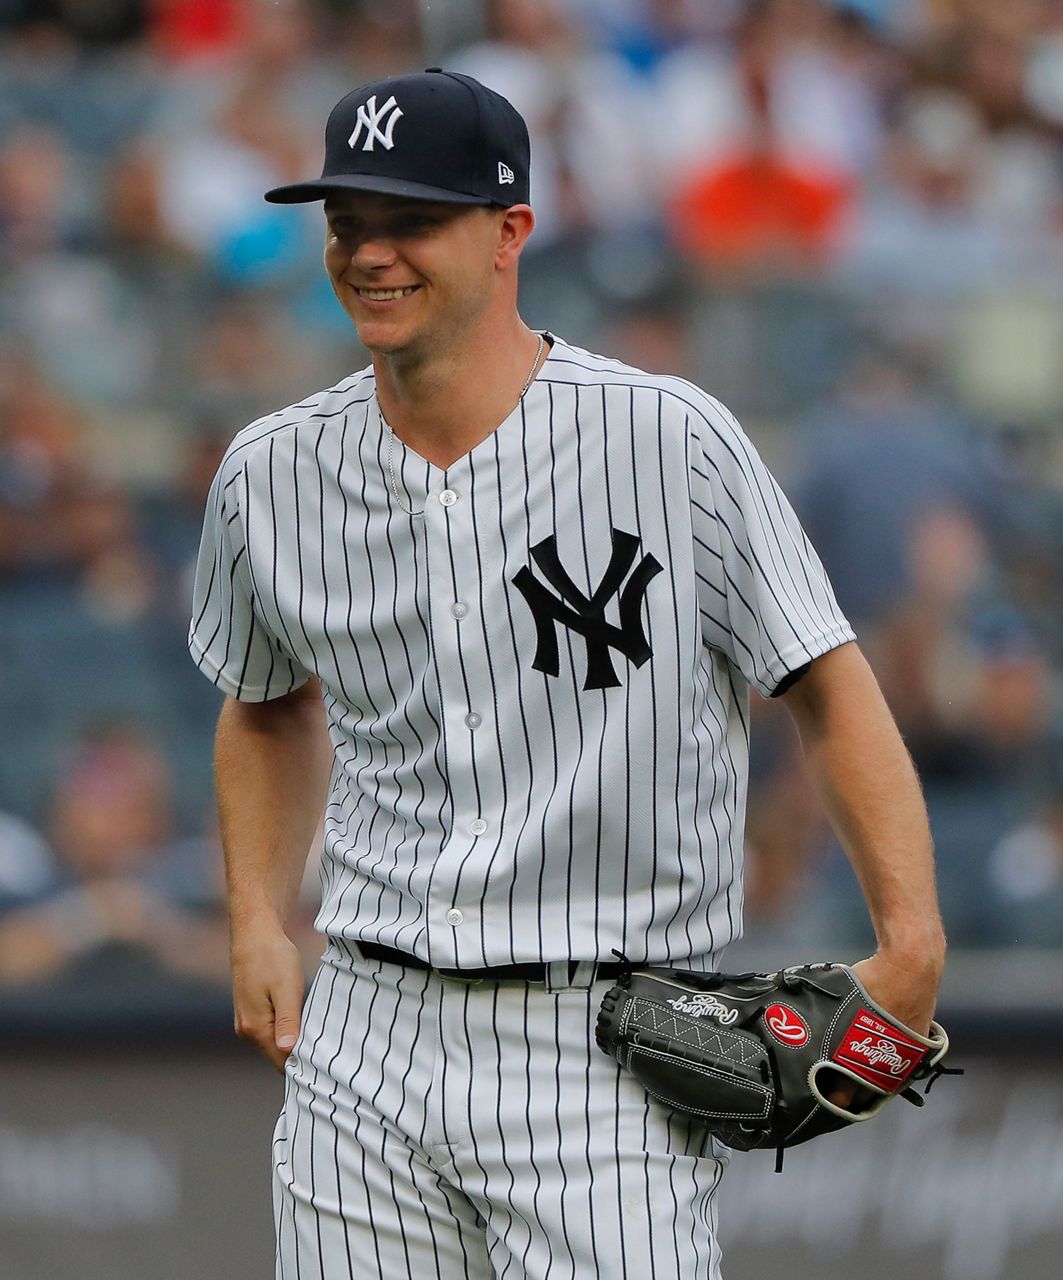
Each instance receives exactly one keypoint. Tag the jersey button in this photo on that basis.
(454, 917)
(448, 497)
(474, 720)
(477, 826)
(459, 610)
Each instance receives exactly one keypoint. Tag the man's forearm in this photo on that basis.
(870, 791)
(272, 763)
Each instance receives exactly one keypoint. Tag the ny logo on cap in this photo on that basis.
(369, 119)
(505, 173)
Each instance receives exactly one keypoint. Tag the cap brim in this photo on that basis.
(318, 189)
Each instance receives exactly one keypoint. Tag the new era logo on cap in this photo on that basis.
(436, 135)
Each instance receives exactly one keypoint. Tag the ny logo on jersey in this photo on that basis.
(369, 119)
(586, 614)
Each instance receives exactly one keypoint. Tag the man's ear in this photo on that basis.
(514, 228)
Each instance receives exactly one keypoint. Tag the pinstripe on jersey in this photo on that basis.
(485, 810)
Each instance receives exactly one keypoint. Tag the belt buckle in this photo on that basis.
(455, 975)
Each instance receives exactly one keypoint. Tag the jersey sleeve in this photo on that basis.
(765, 599)
(227, 638)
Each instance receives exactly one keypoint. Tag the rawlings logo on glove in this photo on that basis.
(754, 1055)
(787, 1026)
(703, 1006)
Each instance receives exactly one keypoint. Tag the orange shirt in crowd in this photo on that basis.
(758, 207)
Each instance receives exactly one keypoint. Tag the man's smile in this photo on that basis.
(386, 295)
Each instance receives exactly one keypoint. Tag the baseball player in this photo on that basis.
(495, 604)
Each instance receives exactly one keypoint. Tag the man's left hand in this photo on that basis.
(907, 989)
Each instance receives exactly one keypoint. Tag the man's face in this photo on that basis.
(411, 274)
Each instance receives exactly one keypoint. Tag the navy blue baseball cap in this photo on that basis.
(434, 135)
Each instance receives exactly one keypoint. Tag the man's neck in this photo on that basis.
(445, 406)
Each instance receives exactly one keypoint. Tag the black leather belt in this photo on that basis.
(497, 973)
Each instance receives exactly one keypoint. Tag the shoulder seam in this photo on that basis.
(239, 445)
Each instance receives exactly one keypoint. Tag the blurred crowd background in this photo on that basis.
(843, 219)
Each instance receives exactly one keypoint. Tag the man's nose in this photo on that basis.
(373, 251)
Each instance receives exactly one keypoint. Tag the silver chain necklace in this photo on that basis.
(391, 434)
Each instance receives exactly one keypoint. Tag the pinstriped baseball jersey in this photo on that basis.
(536, 688)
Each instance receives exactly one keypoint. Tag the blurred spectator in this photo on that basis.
(651, 336)
(132, 208)
(965, 678)
(885, 453)
(756, 213)
(121, 878)
(246, 363)
(927, 225)
(1043, 73)
(645, 32)
(282, 64)
(812, 79)
(1023, 463)
(911, 525)
(377, 38)
(171, 517)
(25, 862)
(189, 29)
(158, 286)
(40, 207)
(212, 180)
(69, 67)
(101, 23)
(1025, 879)
(583, 110)
(55, 516)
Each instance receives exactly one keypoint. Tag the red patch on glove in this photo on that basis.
(879, 1053)
(787, 1025)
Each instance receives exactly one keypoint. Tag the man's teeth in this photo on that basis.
(384, 295)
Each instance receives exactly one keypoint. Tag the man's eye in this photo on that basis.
(348, 228)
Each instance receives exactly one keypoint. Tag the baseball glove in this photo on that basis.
(753, 1055)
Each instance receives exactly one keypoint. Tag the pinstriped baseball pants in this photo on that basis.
(445, 1131)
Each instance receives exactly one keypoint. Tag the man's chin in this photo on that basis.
(385, 340)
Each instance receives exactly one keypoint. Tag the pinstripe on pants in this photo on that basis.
(440, 1129)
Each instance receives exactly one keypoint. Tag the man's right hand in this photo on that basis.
(268, 989)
